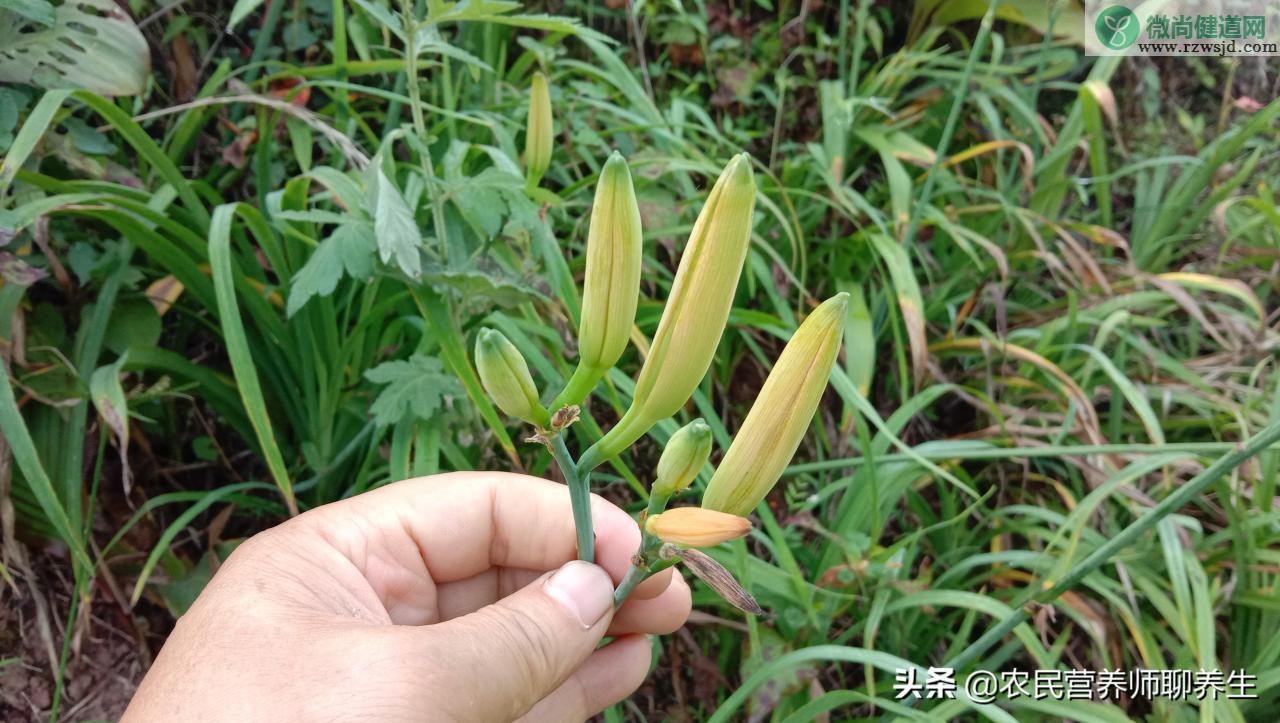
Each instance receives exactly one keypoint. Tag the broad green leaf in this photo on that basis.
(483, 202)
(388, 19)
(1035, 14)
(414, 389)
(474, 285)
(86, 139)
(350, 249)
(92, 44)
(134, 324)
(428, 40)
(393, 223)
(38, 11)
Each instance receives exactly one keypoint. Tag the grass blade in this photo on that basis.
(242, 364)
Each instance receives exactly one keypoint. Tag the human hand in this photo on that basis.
(427, 599)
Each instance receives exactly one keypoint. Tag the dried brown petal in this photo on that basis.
(716, 577)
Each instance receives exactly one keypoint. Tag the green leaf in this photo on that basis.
(108, 397)
(27, 461)
(414, 389)
(86, 139)
(778, 684)
(474, 285)
(242, 364)
(241, 11)
(384, 16)
(182, 590)
(349, 248)
(32, 130)
(92, 44)
(38, 11)
(134, 324)
(394, 227)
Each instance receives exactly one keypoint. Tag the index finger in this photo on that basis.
(457, 525)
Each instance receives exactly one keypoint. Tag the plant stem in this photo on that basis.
(647, 553)
(635, 575)
(420, 126)
(580, 385)
(579, 497)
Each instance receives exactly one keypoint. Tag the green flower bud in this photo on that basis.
(612, 281)
(505, 377)
(538, 131)
(696, 311)
(682, 458)
(781, 413)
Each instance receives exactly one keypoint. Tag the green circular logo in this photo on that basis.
(1117, 27)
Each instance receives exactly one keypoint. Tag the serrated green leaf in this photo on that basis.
(415, 388)
(384, 16)
(394, 227)
(349, 248)
(475, 285)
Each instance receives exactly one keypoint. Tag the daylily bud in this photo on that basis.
(505, 377)
(538, 131)
(612, 281)
(682, 458)
(697, 527)
(781, 413)
(696, 310)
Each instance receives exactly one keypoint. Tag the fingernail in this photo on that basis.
(583, 589)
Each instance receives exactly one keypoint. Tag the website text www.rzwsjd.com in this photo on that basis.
(1207, 48)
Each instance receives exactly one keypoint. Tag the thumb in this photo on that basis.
(499, 661)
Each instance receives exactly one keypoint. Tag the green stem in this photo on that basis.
(649, 545)
(420, 126)
(619, 437)
(580, 385)
(579, 498)
(635, 575)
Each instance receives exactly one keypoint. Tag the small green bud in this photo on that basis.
(538, 131)
(781, 413)
(505, 377)
(696, 311)
(611, 286)
(682, 458)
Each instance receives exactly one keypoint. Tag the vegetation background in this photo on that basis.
(251, 287)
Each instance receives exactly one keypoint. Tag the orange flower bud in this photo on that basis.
(697, 527)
